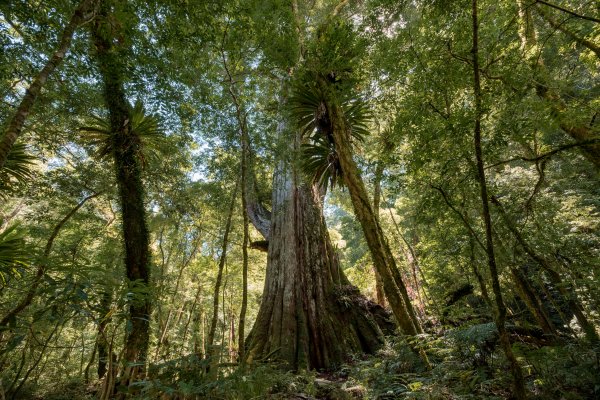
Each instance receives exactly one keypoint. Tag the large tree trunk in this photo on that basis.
(126, 148)
(310, 316)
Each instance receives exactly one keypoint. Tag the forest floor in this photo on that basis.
(464, 363)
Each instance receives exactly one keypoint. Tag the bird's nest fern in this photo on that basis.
(319, 158)
(145, 135)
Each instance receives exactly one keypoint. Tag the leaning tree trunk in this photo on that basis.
(126, 147)
(310, 316)
(568, 293)
(383, 259)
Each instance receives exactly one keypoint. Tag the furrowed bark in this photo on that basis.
(310, 316)
(82, 14)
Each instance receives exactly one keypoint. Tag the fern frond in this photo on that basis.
(16, 170)
(12, 252)
(319, 161)
(145, 132)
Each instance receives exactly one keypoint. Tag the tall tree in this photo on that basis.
(519, 384)
(310, 316)
(217, 289)
(124, 144)
(333, 120)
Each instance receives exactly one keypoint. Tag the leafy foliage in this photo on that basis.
(402, 74)
(187, 377)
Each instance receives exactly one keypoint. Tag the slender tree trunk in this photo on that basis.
(522, 284)
(35, 364)
(568, 293)
(102, 340)
(546, 16)
(231, 339)
(519, 384)
(379, 293)
(413, 261)
(192, 312)
(223, 257)
(533, 302)
(260, 216)
(83, 13)
(164, 332)
(126, 148)
(477, 273)
(244, 306)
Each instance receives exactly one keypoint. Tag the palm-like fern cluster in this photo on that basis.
(16, 170)
(319, 159)
(145, 134)
(12, 253)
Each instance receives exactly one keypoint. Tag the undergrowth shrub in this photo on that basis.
(570, 371)
(186, 379)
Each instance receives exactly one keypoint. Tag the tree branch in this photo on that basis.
(548, 154)
(574, 14)
(560, 26)
(41, 271)
(84, 11)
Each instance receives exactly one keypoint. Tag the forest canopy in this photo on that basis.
(287, 199)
